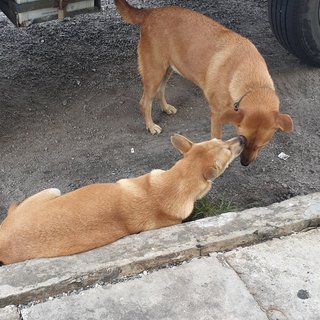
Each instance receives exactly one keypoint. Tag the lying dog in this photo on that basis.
(227, 67)
(49, 224)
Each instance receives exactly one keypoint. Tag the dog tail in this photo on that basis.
(2, 242)
(130, 14)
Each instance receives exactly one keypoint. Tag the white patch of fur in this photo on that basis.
(219, 164)
(54, 191)
(156, 172)
(130, 186)
(205, 190)
(126, 183)
(175, 70)
(187, 209)
(155, 177)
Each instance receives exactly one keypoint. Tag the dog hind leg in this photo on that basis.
(167, 108)
(153, 71)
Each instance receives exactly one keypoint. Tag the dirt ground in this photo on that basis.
(69, 114)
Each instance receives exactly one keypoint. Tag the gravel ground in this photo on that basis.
(69, 112)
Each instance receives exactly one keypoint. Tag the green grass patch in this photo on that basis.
(207, 208)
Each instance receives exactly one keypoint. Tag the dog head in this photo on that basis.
(213, 156)
(258, 126)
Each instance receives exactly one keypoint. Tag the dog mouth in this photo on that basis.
(244, 161)
(246, 157)
(236, 146)
(243, 158)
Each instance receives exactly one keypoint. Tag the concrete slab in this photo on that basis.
(244, 228)
(9, 313)
(283, 275)
(39, 279)
(42, 278)
(201, 289)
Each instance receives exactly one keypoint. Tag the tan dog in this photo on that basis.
(49, 224)
(227, 67)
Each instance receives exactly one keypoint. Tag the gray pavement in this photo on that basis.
(278, 279)
(214, 277)
(283, 275)
(201, 289)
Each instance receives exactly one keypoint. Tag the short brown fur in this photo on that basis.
(49, 224)
(226, 66)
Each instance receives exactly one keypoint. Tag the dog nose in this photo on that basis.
(243, 140)
(245, 162)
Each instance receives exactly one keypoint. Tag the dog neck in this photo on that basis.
(181, 186)
(236, 104)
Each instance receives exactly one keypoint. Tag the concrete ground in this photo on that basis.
(261, 263)
(278, 279)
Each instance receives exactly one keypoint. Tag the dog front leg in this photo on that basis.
(146, 109)
(164, 221)
(216, 125)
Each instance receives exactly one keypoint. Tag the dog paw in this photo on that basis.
(154, 129)
(170, 109)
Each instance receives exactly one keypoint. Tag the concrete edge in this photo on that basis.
(41, 278)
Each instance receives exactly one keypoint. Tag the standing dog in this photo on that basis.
(49, 224)
(227, 67)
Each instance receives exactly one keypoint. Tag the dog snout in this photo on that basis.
(245, 162)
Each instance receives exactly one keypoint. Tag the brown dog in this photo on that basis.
(49, 224)
(227, 67)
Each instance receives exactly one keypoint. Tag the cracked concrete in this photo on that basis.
(274, 280)
(165, 294)
(282, 275)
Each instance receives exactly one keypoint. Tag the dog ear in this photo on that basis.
(181, 143)
(284, 122)
(231, 116)
(212, 172)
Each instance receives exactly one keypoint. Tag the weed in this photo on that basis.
(206, 208)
